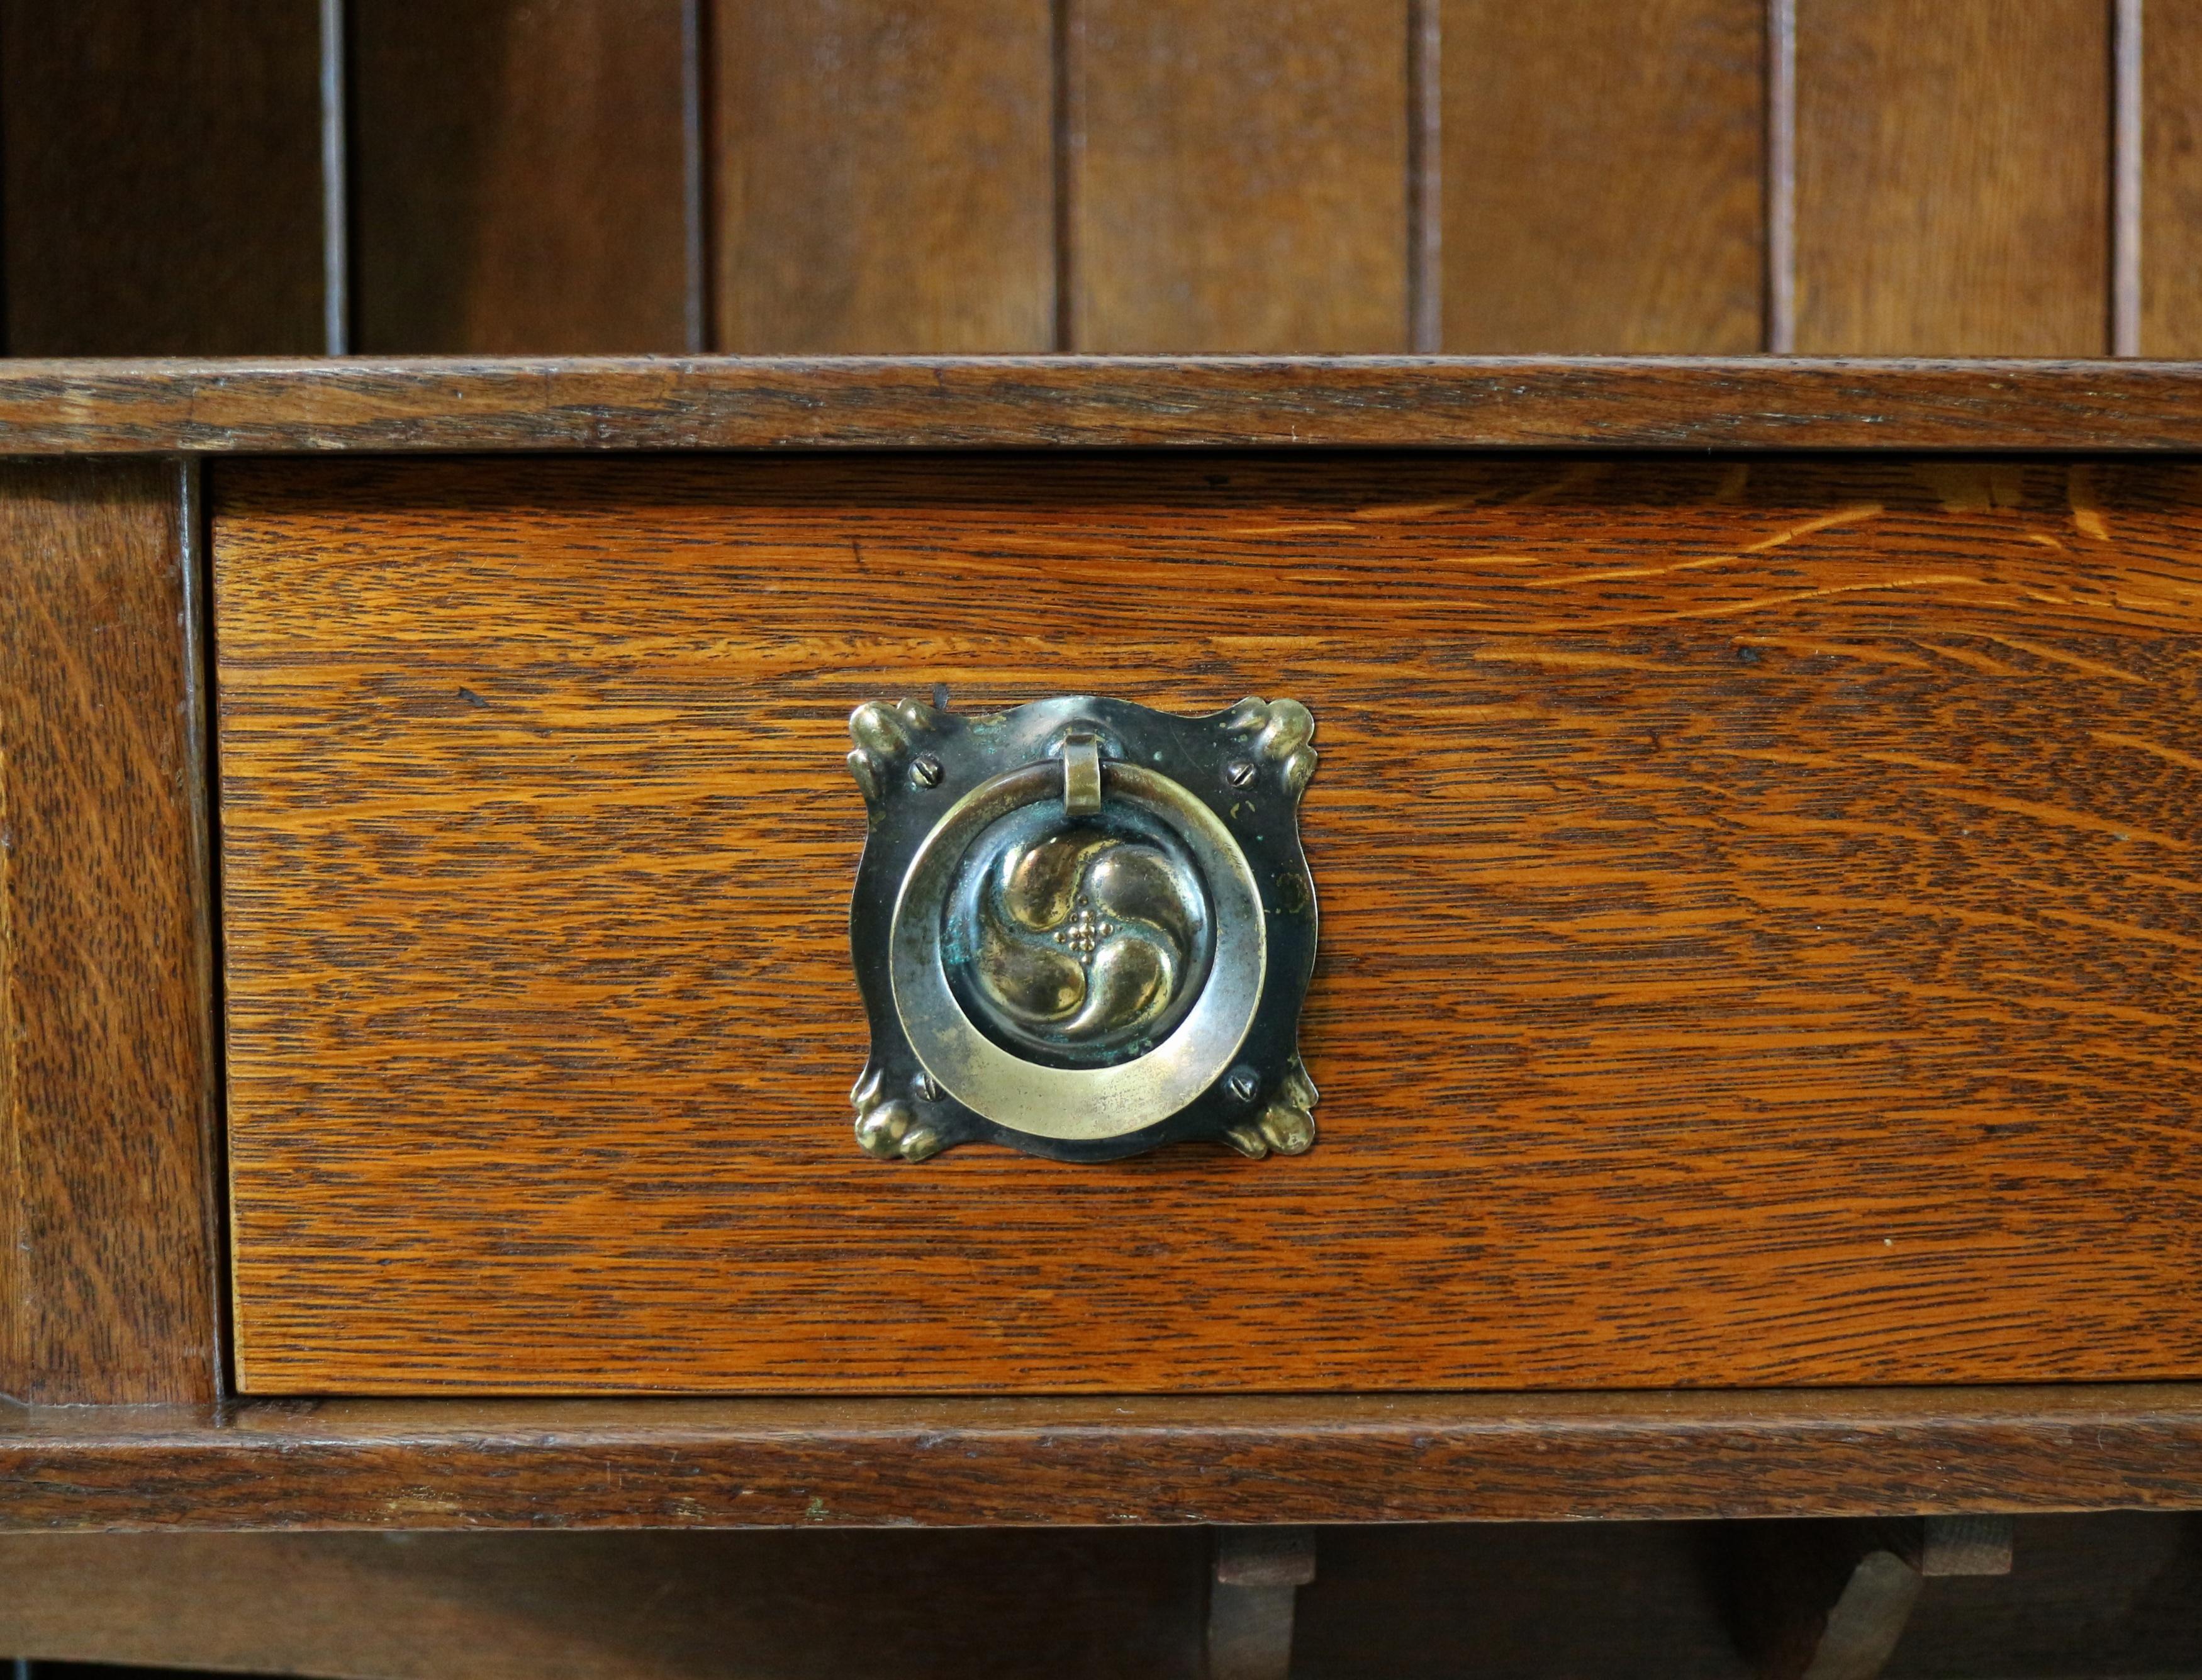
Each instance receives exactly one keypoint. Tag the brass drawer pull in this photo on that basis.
(1083, 928)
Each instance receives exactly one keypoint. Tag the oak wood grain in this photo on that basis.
(107, 1275)
(1757, 901)
(885, 175)
(518, 176)
(2171, 180)
(950, 1462)
(1953, 176)
(1082, 402)
(160, 178)
(1603, 176)
(1238, 175)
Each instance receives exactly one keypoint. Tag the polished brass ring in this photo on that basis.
(1078, 1104)
(1083, 928)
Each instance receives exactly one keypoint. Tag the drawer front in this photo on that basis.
(1759, 931)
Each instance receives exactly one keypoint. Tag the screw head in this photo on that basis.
(925, 771)
(1239, 773)
(1243, 1084)
(927, 1087)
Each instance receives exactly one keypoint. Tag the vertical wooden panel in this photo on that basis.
(1604, 170)
(885, 175)
(160, 177)
(518, 175)
(105, 1047)
(2171, 191)
(1953, 176)
(1238, 175)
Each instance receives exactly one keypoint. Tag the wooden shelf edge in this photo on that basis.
(435, 1464)
(727, 402)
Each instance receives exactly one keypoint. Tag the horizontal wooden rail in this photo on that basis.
(70, 408)
(957, 1462)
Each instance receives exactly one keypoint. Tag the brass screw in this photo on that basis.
(925, 771)
(1239, 773)
(1243, 1085)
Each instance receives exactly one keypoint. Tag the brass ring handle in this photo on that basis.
(1083, 928)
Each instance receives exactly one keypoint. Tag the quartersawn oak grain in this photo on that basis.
(108, 1280)
(1758, 897)
(1109, 1459)
(983, 403)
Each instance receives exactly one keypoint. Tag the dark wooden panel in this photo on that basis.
(105, 1055)
(2111, 1593)
(885, 175)
(2114, 1594)
(520, 175)
(1528, 1601)
(160, 177)
(1089, 403)
(1953, 176)
(1238, 175)
(1107, 1460)
(2171, 180)
(1603, 175)
(1755, 899)
(1818, 1601)
(1000, 1606)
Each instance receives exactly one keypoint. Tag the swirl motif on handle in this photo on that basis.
(1083, 927)
(1086, 939)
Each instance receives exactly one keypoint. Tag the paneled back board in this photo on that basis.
(1759, 939)
(1838, 176)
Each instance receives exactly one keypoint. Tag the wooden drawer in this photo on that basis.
(1759, 921)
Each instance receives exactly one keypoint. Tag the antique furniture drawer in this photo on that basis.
(1758, 940)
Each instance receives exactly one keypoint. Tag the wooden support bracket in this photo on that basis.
(1827, 1600)
(1258, 1573)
